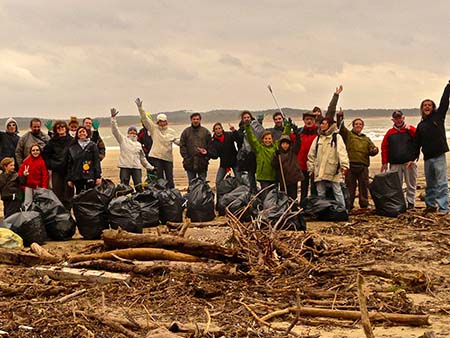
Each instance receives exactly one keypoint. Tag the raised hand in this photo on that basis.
(114, 112)
(339, 89)
(138, 102)
(340, 112)
(95, 124)
(26, 170)
(48, 124)
(232, 128)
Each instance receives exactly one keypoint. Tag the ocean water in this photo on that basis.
(374, 127)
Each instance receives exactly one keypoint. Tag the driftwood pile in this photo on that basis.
(263, 283)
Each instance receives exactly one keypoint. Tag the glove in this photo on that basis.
(138, 102)
(114, 113)
(286, 123)
(260, 117)
(277, 152)
(151, 175)
(95, 124)
(48, 124)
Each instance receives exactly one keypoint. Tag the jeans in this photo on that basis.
(337, 191)
(222, 172)
(164, 169)
(126, 173)
(436, 191)
(194, 174)
(410, 176)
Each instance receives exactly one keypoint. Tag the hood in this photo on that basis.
(11, 120)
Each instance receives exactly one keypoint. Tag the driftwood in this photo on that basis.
(92, 276)
(15, 257)
(215, 223)
(365, 321)
(213, 270)
(118, 239)
(405, 319)
(143, 254)
(44, 254)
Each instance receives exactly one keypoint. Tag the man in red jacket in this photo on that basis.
(398, 150)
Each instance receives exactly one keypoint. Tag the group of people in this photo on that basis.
(321, 155)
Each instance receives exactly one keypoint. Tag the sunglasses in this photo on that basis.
(60, 126)
(11, 125)
(36, 150)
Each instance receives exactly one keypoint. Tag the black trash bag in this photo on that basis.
(236, 200)
(275, 204)
(294, 222)
(123, 190)
(148, 201)
(27, 224)
(224, 187)
(387, 194)
(125, 212)
(159, 184)
(62, 228)
(89, 208)
(200, 201)
(324, 209)
(244, 179)
(170, 206)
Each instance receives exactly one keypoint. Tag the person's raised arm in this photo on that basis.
(115, 129)
(443, 104)
(341, 125)
(145, 119)
(251, 138)
(331, 111)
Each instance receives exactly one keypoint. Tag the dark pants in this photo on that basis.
(83, 185)
(61, 189)
(305, 184)
(292, 189)
(164, 169)
(265, 184)
(11, 206)
(196, 174)
(127, 173)
(358, 175)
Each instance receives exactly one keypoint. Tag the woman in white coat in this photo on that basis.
(132, 156)
(328, 160)
(163, 138)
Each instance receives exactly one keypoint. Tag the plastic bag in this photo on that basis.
(224, 187)
(10, 240)
(62, 228)
(324, 209)
(149, 204)
(200, 201)
(27, 224)
(236, 200)
(387, 194)
(124, 212)
(170, 206)
(123, 190)
(274, 205)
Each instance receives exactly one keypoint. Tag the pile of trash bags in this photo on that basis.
(387, 194)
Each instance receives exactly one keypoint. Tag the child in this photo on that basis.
(264, 150)
(10, 183)
(35, 171)
(287, 166)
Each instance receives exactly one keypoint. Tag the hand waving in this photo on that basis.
(339, 89)
(138, 102)
(114, 112)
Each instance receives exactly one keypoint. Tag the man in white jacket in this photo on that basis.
(131, 156)
(163, 138)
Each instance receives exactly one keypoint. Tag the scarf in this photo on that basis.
(220, 138)
(83, 143)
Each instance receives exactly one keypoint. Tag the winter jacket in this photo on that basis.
(132, 155)
(289, 162)
(246, 158)
(191, 138)
(55, 153)
(276, 132)
(326, 158)
(28, 140)
(37, 172)
(163, 138)
(226, 150)
(397, 146)
(146, 140)
(8, 141)
(359, 147)
(83, 164)
(430, 132)
(10, 185)
(96, 138)
(307, 136)
(264, 155)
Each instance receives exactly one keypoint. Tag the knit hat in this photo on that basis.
(6, 161)
(11, 120)
(285, 138)
(161, 117)
(132, 127)
(397, 113)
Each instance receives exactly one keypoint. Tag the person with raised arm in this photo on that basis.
(92, 127)
(161, 155)
(430, 137)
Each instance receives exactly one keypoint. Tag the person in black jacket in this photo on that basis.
(83, 162)
(10, 183)
(430, 137)
(9, 140)
(55, 153)
(223, 146)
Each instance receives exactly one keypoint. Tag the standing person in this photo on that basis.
(278, 128)
(193, 143)
(359, 149)
(9, 139)
(83, 162)
(55, 154)
(161, 155)
(246, 158)
(131, 154)
(73, 126)
(10, 183)
(32, 137)
(35, 171)
(398, 150)
(308, 133)
(328, 161)
(286, 165)
(430, 137)
(94, 135)
(223, 146)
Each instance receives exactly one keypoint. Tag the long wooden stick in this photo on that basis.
(365, 321)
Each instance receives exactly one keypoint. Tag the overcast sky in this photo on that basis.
(59, 58)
